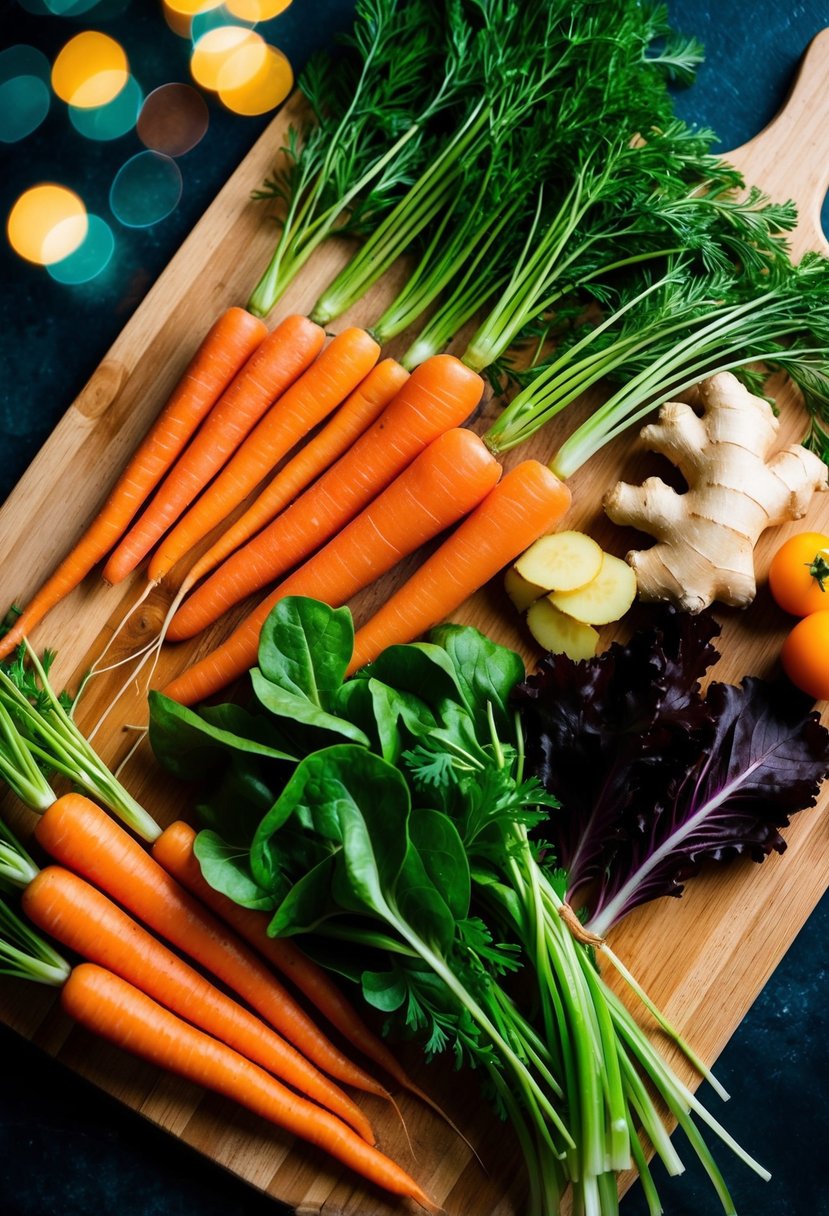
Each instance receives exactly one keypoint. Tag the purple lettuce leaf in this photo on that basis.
(598, 733)
(765, 761)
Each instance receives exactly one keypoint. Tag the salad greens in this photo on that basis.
(420, 851)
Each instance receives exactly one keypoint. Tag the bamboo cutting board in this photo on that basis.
(726, 935)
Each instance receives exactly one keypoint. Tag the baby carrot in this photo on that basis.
(108, 1006)
(355, 416)
(83, 919)
(450, 477)
(174, 851)
(228, 345)
(439, 394)
(80, 836)
(529, 501)
(274, 365)
(321, 388)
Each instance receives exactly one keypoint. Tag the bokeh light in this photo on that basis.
(180, 13)
(268, 84)
(24, 60)
(216, 52)
(24, 103)
(173, 119)
(213, 19)
(257, 10)
(91, 257)
(47, 223)
(145, 190)
(114, 119)
(70, 8)
(90, 71)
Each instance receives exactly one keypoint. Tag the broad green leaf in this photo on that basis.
(297, 710)
(444, 858)
(420, 903)
(227, 869)
(189, 745)
(305, 648)
(384, 990)
(308, 902)
(485, 672)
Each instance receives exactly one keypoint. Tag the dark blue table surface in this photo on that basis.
(64, 1147)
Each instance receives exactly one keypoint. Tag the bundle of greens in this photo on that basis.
(368, 132)
(664, 332)
(409, 835)
(549, 80)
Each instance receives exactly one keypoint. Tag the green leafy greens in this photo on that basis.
(409, 836)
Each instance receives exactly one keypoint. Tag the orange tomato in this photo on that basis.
(799, 574)
(805, 655)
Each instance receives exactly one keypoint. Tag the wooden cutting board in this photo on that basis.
(725, 936)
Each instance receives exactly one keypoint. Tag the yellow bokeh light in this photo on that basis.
(263, 89)
(229, 54)
(191, 8)
(179, 14)
(256, 10)
(47, 223)
(90, 71)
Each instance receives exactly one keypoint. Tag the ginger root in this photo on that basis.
(706, 535)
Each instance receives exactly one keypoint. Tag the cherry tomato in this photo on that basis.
(805, 655)
(799, 574)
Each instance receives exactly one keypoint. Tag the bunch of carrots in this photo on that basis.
(378, 463)
(109, 901)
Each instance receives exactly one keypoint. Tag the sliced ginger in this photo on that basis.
(561, 561)
(521, 592)
(559, 633)
(606, 598)
(566, 584)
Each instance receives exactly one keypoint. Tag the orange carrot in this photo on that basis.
(450, 477)
(79, 835)
(362, 408)
(110, 1007)
(227, 346)
(526, 503)
(80, 917)
(438, 395)
(274, 365)
(174, 851)
(325, 385)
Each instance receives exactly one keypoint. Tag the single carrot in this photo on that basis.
(273, 366)
(83, 919)
(450, 477)
(355, 416)
(528, 501)
(320, 389)
(228, 345)
(440, 393)
(174, 850)
(79, 835)
(108, 1006)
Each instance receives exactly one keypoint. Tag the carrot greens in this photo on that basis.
(368, 135)
(666, 332)
(418, 844)
(38, 736)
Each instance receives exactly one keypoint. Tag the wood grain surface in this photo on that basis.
(724, 937)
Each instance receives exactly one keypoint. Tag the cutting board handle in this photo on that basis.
(789, 158)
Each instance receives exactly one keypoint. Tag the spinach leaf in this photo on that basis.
(305, 648)
(486, 674)
(234, 805)
(444, 858)
(190, 744)
(226, 868)
(392, 720)
(298, 711)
